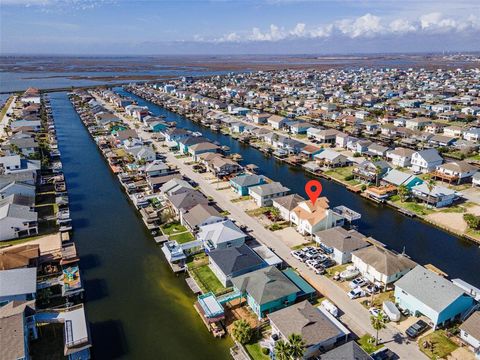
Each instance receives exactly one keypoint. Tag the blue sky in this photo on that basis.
(237, 27)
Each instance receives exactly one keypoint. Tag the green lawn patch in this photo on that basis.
(339, 268)
(241, 198)
(182, 238)
(173, 228)
(206, 279)
(417, 208)
(437, 345)
(255, 352)
(278, 226)
(197, 260)
(367, 343)
(258, 211)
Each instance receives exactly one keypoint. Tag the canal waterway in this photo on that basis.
(138, 309)
(424, 243)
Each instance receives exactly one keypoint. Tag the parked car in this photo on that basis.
(299, 255)
(372, 289)
(320, 270)
(328, 263)
(384, 354)
(311, 253)
(417, 329)
(312, 263)
(358, 282)
(356, 293)
(375, 311)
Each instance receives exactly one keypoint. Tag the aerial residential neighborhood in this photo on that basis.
(246, 180)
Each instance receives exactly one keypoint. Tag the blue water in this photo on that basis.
(424, 243)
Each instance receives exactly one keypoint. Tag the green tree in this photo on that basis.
(275, 213)
(403, 192)
(378, 323)
(282, 350)
(431, 183)
(242, 332)
(297, 346)
(378, 172)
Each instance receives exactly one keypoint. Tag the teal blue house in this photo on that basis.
(241, 183)
(423, 292)
(158, 126)
(266, 290)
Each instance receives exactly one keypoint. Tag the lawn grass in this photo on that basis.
(197, 260)
(173, 228)
(441, 345)
(378, 299)
(417, 208)
(339, 268)
(255, 351)
(241, 198)
(206, 279)
(182, 238)
(298, 247)
(341, 173)
(258, 211)
(367, 343)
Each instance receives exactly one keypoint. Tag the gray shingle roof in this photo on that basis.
(348, 351)
(18, 281)
(384, 261)
(269, 189)
(247, 180)
(431, 289)
(305, 320)
(265, 285)
(234, 259)
(342, 239)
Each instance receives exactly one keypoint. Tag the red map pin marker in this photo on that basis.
(313, 188)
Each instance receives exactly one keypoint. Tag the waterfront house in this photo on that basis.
(18, 285)
(155, 183)
(220, 235)
(264, 194)
(341, 243)
(156, 168)
(382, 265)
(202, 148)
(276, 122)
(453, 131)
(186, 200)
(227, 263)
(319, 330)
(472, 134)
(348, 351)
(286, 204)
(258, 118)
(201, 215)
(310, 151)
(310, 218)
(299, 127)
(15, 165)
(327, 136)
(425, 160)
(17, 221)
(185, 143)
(455, 171)
(341, 139)
(175, 134)
(175, 186)
(222, 166)
(17, 327)
(470, 333)
(19, 256)
(142, 153)
(331, 158)
(121, 136)
(398, 178)
(241, 183)
(267, 290)
(400, 157)
(423, 292)
(369, 171)
(35, 125)
(26, 145)
(12, 187)
(439, 196)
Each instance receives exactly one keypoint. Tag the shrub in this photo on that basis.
(357, 154)
(265, 351)
(364, 187)
(472, 221)
(348, 177)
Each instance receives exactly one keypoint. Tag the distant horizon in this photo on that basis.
(234, 27)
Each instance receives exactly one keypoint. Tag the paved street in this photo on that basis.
(355, 315)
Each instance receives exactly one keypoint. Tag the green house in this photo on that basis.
(266, 290)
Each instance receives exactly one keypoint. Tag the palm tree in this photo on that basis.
(403, 191)
(430, 185)
(297, 346)
(378, 323)
(242, 332)
(282, 350)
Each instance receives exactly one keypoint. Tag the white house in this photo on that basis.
(380, 264)
(286, 204)
(439, 196)
(264, 194)
(400, 157)
(221, 235)
(425, 160)
(311, 218)
(341, 243)
(17, 221)
(470, 332)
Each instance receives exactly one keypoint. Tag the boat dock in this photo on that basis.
(192, 284)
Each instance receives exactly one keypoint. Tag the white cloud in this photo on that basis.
(366, 26)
